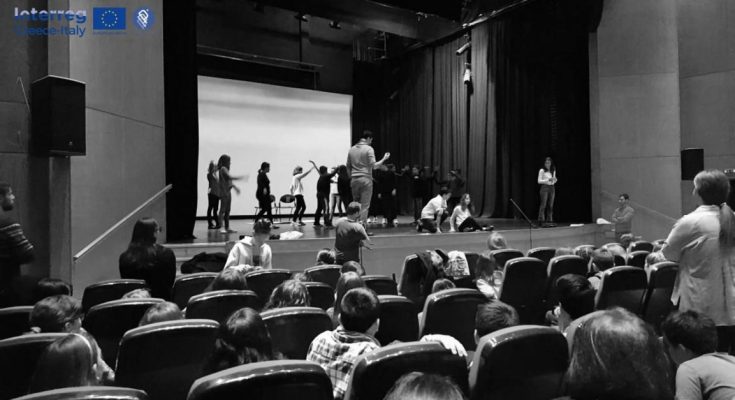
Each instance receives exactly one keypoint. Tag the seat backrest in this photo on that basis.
(412, 274)
(619, 260)
(398, 320)
(220, 304)
(380, 284)
(88, 393)
(101, 292)
(282, 380)
(321, 295)
(452, 312)
(14, 321)
(472, 262)
(18, 358)
(186, 286)
(501, 257)
(641, 245)
(544, 254)
(637, 258)
(292, 329)
(584, 246)
(622, 286)
(375, 373)
(657, 301)
(559, 266)
(108, 322)
(524, 285)
(263, 281)
(164, 358)
(521, 362)
(328, 274)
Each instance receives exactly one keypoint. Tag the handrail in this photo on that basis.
(119, 223)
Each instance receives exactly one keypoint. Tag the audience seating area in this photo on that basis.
(89, 393)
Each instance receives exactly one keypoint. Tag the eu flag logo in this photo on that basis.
(109, 18)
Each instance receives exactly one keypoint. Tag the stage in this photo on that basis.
(391, 245)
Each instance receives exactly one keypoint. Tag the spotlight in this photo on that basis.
(464, 48)
(335, 25)
(301, 17)
(258, 7)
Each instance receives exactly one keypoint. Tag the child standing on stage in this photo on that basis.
(297, 190)
(436, 207)
(213, 197)
(225, 185)
(323, 186)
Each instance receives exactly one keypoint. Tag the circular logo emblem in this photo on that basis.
(144, 18)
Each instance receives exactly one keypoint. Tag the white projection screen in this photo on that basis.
(255, 122)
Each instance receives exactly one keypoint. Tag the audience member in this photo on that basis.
(651, 259)
(15, 249)
(488, 276)
(658, 244)
(350, 235)
(703, 243)
(616, 250)
(142, 293)
(301, 277)
(70, 361)
(602, 260)
(496, 241)
(252, 251)
(702, 373)
(325, 256)
(563, 251)
(353, 266)
(161, 312)
(145, 259)
(50, 287)
(626, 240)
(494, 316)
(442, 284)
(289, 293)
(422, 386)
(576, 299)
(347, 281)
(585, 253)
(622, 217)
(242, 339)
(435, 208)
(616, 355)
(228, 279)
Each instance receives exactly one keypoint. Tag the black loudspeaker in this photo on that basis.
(57, 117)
(692, 162)
(731, 198)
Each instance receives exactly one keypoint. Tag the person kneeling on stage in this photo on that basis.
(436, 207)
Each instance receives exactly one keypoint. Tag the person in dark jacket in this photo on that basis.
(323, 187)
(263, 194)
(147, 260)
(15, 249)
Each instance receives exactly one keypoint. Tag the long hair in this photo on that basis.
(423, 386)
(68, 362)
(224, 161)
(142, 247)
(713, 187)
(616, 355)
(470, 206)
(242, 339)
(290, 293)
(228, 279)
(347, 281)
(552, 169)
(211, 167)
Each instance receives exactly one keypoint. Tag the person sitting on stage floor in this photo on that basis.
(350, 235)
(602, 260)
(496, 241)
(252, 251)
(353, 266)
(461, 219)
(325, 256)
(436, 207)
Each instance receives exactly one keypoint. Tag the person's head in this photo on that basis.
(353, 266)
(346, 281)
(658, 244)
(442, 284)
(465, 202)
(423, 386)
(211, 167)
(325, 256)
(261, 231)
(689, 334)
(549, 165)
(297, 170)
(486, 266)
(494, 316)
(228, 279)
(415, 170)
(160, 312)
(142, 293)
(224, 161)
(7, 198)
(713, 187)
(496, 241)
(60, 313)
(444, 193)
(367, 136)
(360, 311)
(69, 361)
(654, 258)
(290, 293)
(342, 171)
(50, 287)
(623, 199)
(145, 232)
(301, 277)
(242, 339)
(576, 297)
(584, 252)
(602, 259)
(626, 239)
(563, 251)
(611, 352)
(353, 210)
(323, 169)
(265, 167)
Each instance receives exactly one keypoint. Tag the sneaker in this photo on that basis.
(223, 230)
(231, 231)
(395, 222)
(301, 223)
(385, 221)
(318, 225)
(370, 234)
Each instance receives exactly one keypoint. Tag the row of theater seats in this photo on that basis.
(522, 362)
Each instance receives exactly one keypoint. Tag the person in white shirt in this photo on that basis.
(547, 180)
(461, 219)
(436, 207)
(297, 190)
(252, 251)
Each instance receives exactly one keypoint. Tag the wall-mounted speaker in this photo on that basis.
(692, 162)
(58, 123)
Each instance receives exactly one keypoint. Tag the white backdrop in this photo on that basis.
(254, 122)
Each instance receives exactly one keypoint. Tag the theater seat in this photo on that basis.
(18, 358)
(622, 287)
(380, 284)
(14, 321)
(559, 266)
(375, 373)
(522, 362)
(292, 329)
(109, 321)
(269, 380)
(321, 294)
(637, 258)
(584, 246)
(101, 292)
(452, 312)
(657, 300)
(164, 358)
(472, 262)
(220, 304)
(263, 281)
(88, 393)
(544, 254)
(186, 286)
(619, 260)
(501, 257)
(524, 286)
(398, 320)
(641, 245)
(328, 274)
(410, 286)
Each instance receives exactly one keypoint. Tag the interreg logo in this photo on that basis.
(144, 18)
(108, 18)
(42, 22)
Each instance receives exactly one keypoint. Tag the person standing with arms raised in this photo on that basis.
(360, 164)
